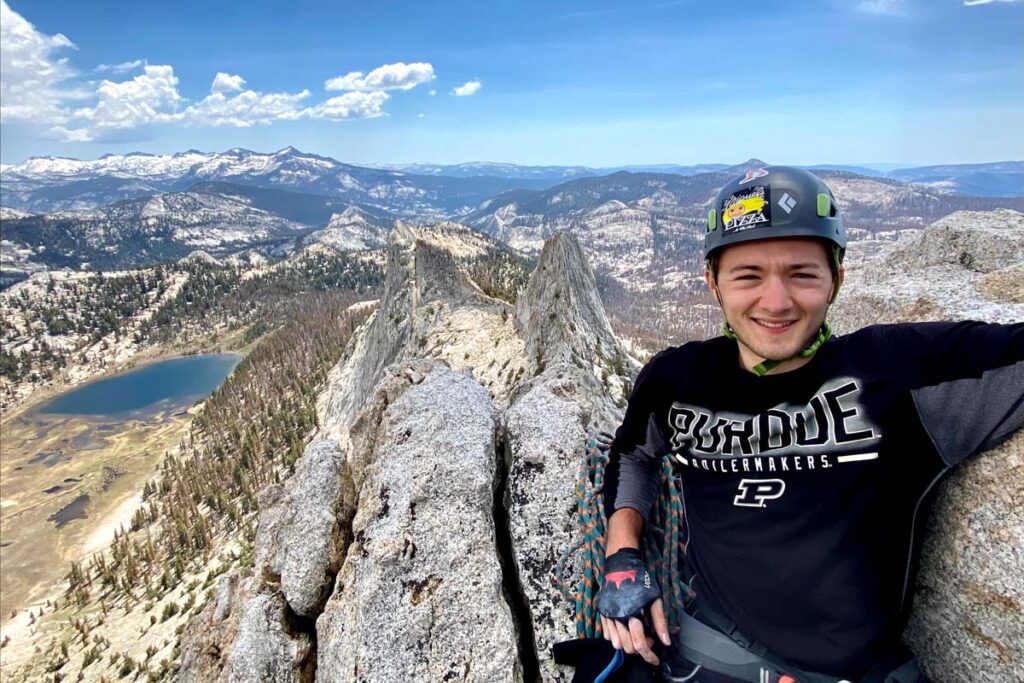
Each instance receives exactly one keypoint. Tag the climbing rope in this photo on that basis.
(662, 543)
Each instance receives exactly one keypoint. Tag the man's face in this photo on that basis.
(775, 293)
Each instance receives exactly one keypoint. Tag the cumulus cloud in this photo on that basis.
(397, 76)
(468, 88)
(893, 8)
(31, 87)
(123, 67)
(62, 134)
(351, 105)
(150, 97)
(39, 86)
(223, 82)
(247, 108)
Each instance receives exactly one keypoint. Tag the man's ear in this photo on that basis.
(709, 279)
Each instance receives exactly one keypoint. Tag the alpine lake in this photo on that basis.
(72, 468)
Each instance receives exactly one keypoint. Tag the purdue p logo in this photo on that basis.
(754, 492)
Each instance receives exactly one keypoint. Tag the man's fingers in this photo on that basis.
(660, 622)
(628, 646)
(636, 631)
(613, 633)
(604, 628)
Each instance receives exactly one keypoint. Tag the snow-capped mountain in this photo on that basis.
(55, 183)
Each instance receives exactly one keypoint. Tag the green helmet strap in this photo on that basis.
(767, 365)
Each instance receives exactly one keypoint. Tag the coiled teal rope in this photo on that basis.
(662, 550)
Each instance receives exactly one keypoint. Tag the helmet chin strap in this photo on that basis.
(769, 364)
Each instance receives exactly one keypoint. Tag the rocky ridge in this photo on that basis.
(442, 491)
(441, 503)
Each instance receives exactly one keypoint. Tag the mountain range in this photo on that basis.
(642, 229)
(52, 183)
(42, 184)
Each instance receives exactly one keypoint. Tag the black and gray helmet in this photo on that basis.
(772, 202)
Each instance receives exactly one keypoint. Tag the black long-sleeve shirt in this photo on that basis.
(804, 490)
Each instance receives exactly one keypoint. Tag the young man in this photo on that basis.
(804, 458)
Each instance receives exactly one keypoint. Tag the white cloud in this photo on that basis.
(38, 86)
(62, 134)
(223, 82)
(123, 67)
(972, 3)
(150, 97)
(398, 76)
(32, 74)
(247, 108)
(468, 88)
(420, 116)
(351, 105)
(431, 92)
(892, 8)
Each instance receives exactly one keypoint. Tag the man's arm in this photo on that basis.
(625, 529)
(630, 491)
(970, 391)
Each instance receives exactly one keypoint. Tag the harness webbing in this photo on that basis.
(663, 543)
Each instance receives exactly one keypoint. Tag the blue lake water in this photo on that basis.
(164, 385)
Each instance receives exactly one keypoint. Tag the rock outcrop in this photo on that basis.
(968, 265)
(967, 622)
(303, 526)
(430, 308)
(267, 647)
(571, 348)
(207, 638)
(420, 594)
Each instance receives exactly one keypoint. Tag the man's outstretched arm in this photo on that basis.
(970, 395)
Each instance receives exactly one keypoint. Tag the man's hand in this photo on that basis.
(632, 639)
(624, 530)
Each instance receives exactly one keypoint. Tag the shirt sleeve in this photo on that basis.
(969, 390)
(633, 472)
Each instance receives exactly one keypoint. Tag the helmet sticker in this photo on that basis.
(786, 202)
(747, 209)
(753, 174)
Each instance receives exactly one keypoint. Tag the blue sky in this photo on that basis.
(594, 83)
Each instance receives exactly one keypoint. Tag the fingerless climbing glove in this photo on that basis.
(627, 587)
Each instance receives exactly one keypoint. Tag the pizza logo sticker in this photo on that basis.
(746, 209)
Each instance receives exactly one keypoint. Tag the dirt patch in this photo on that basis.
(1004, 286)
